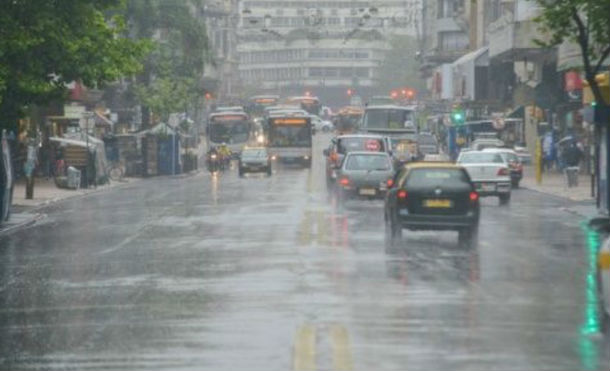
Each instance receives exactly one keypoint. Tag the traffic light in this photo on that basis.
(458, 116)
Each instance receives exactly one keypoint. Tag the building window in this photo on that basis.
(453, 41)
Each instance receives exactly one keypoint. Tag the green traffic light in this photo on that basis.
(594, 104)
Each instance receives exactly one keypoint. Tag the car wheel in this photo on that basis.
(504, 199)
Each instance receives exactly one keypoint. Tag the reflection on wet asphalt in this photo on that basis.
(222, 273)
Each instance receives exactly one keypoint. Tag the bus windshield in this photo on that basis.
(389, 119)
(230, 132)
(290, 136)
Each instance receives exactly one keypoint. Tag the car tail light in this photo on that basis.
(402, 194)
(390, 183)
(474, 196)
(344, 182)
(502, 171)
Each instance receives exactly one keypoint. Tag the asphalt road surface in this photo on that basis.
(223, 273)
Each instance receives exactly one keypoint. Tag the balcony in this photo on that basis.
(514, 41)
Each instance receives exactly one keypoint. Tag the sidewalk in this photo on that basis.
(18, 221)
(555, 184)
(45, 192)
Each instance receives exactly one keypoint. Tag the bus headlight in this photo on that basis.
(260, 138)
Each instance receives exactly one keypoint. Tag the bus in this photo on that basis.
(258, 103)
(290, 137)
(310, 104)
(231, 128)
(397, 123)
(510, 131)
(348, 119)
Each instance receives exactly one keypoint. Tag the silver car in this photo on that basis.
(365, 174)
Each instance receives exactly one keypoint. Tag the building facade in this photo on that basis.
(322, 47)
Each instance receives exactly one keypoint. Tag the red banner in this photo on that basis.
(572, 81)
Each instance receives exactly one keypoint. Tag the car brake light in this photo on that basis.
(390, 183)
(402, 194)
(344, 182)
(502, 171)
(474, 196)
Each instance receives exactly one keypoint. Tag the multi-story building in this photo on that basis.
(321, 46)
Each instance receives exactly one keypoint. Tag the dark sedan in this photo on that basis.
(431, 196)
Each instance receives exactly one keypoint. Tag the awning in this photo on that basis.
(476, 58)
(465, 73)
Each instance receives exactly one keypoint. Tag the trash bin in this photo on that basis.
(74, 176)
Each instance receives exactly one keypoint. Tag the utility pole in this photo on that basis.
(473, 20)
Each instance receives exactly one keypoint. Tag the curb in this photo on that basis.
(13, 228)
(554, 194)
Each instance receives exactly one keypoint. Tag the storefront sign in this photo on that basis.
(74, 112)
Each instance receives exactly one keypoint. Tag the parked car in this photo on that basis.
(512, 161)
(431, 196)
(365, 174)
(254, 159)
(489, 173)
(341, 145)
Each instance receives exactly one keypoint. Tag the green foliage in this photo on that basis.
(45, 44)
(586, 22)
(171, 80)
(399, 67)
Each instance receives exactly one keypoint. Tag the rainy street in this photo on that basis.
(209, 272)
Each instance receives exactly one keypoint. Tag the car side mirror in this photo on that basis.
(326, 152)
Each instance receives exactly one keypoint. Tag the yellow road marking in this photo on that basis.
(322, 230)
(305, 349)
(340, 344)
(305, 235)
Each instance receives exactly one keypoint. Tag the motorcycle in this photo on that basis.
(214, 163)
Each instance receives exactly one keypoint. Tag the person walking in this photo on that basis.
(572, 158)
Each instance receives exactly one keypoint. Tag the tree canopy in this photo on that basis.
(45, 44)
(586, 22)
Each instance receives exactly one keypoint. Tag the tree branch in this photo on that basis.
(583, 40)
(603, 57)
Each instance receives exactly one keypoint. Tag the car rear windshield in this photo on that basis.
(346, 145)
(475, 158)
(254, 153)
(436, 177)
(368, 162)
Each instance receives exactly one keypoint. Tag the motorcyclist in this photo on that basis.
(212, 156)
(225, 153)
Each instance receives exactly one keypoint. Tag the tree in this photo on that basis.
(171, 79)
(45, 44)
(399, 67)
(586, 22)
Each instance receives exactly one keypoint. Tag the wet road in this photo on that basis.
(222, 273)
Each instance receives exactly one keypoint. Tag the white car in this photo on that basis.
(321, 125)
(489, 173)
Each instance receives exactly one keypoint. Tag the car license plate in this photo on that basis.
(367, 191)
(438, 204)
(488, 187)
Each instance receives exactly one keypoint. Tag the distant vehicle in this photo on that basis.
(231, 128)
(431, 196)
(308, 103)
(341, 145)
(438, 157)
(254, 159)
(229, 109)
(289, 137)
(524, 155)
(258, 103)
(380, 100)
(489, 173)
(481, 144)
(364, 174)
(347, 120)
(404, 148)
(388, 120)
(321, 125)
(512, 161)
(427, 144)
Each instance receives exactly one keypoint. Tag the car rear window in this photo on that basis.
(347, 145)
(436, 177)
(368, 162)
(474, 158)
(254, 153)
